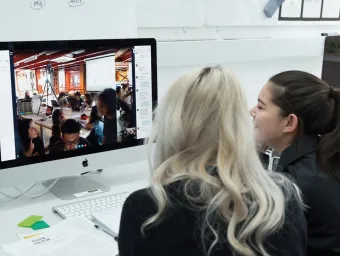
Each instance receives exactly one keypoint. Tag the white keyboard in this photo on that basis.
(86, 207)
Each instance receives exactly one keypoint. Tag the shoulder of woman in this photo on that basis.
(140, 202)
(142, 194)
(290, 189)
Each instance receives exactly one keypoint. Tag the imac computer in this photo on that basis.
(88, 106)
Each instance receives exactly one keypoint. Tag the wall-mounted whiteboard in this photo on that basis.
(171, 13)
(100, 74)
(23, 20)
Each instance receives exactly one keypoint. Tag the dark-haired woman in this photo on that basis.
(57, 119)
(63, 100)
(31, 144)
(96, 125)
(107, 107)
(298, 115)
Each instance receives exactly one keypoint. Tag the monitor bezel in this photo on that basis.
(88, 44)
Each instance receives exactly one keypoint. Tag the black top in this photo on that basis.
(94, 115)
(60, 145)
(77, 104)
(39, 148)
(179, 232)
(53, 141)
(321, 194)
(110, 130)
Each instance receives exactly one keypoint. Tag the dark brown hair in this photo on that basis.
(317, 106)
(56, 127)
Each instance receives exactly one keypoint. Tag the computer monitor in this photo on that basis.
(70, 67)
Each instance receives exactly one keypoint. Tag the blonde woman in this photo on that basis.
(209, 193)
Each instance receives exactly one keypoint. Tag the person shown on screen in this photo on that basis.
(298, 115)
(107, 107)
(123, 107)
(31, 144)
(27, 95)
(89, 102)
(71, 140)
(95, 124)
(57, 119)
(120, 94)
(79, 102)
(126, 94)
(209, 193)
(63, 102)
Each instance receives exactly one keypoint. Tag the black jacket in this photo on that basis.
(179, 233)
(321, 194)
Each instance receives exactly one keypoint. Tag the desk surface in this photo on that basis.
(121, 179)
(48, 122)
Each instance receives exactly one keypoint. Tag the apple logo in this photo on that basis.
(85, 163)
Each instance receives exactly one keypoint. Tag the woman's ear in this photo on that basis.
(292, 123)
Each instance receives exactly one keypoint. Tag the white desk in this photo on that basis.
(48, 122)
(126, 178)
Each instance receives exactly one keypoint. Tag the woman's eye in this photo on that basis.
(259, 107)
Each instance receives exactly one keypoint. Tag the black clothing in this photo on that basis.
(110, 130)
(53, 141)
(321, 194)
(38, 147)
(179, 232)
(78, 104)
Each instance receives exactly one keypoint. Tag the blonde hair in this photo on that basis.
(203, 121)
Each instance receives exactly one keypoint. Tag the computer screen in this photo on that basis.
(331, 61)
(84, 97)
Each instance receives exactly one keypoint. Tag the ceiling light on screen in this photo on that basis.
(63, 59)
(78, 52)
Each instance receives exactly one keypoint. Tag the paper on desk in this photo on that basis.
(109, 220)
(62, 240)
(28, 236)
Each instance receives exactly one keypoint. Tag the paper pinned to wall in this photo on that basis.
(312, 9)
(174, 13)
(291, 9)
(331, 9)
(23, 20)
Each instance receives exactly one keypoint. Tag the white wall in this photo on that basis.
(185, 29)
(253, 67)
(234, 34)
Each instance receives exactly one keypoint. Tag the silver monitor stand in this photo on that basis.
(75, 187)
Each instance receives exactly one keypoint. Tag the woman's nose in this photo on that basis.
(252, 112)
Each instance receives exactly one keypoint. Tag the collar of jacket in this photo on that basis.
(298, 149)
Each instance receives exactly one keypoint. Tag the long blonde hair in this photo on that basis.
(203, 121)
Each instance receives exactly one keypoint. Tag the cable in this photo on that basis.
(9, 196)
(26, 190)
(38, 195)
(15, 197)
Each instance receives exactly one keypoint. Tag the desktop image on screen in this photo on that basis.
(65, 99)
